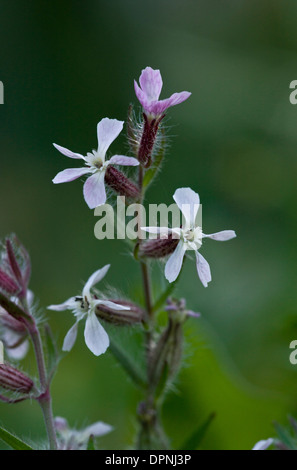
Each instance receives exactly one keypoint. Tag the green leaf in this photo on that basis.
(164, 296)
(127, 363)
(195, 439)
(91, 444)
(14, 442)
(285, 437)
(151, 173)
(52, 355)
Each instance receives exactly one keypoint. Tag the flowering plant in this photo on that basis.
(162, 343)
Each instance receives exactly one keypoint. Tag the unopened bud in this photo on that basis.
(14, 380)
(8, 284)
(121, 317)
(120, 183)
(12, 323)
(148, 139)
(158, 248)
(167, 354)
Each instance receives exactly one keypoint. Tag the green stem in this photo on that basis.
(44, 399)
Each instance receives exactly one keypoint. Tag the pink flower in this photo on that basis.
(149, 91)
(94, 187)
(189, 235)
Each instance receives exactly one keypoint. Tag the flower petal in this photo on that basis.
(67, 305)
(70, 338)
(160, 106)
(141, 96)
(263, 445)
(174, 264)
(94, 190)
(107, 132)
(68, 153)
(151, 83)
(94, 279)
(70, 174)
(97, 429)
(203, 269)
(221, 236)
(123, 160)
(96, 337)
(188, 202)
(112, 305)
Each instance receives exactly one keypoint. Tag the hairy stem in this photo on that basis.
(44, 399)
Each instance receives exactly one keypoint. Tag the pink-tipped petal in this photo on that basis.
(70, 338)
(188, 202)
(151, 83)
(203, 269)
(94, 190)
(107, 132)
(68, 153)
(160, 107)
(175, 262)
(141, 96)
(94, 279)
(96, 337)
(123, 160)
(222, 236)
(70, 174)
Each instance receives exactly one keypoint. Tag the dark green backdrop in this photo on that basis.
(67, 64)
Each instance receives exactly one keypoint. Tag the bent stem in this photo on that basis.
(44, 398)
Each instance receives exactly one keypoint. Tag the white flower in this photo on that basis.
(84, 306)
(94, 187)
(190, 236)
(72, 439)
(263, 445)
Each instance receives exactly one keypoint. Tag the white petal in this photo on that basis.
(96, 337)
(68, 153)
(203, 269)
(94, 190)
(67, 305)
(97, 429)
(107, 132)
(263, 445)
(70, 174)
(122, 160)
(19, 352)
(70, 338)
(112, 305)
(221, 236)
(174, 264)
(94, 279)
(188, 202)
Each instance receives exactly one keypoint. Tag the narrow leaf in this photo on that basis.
(195, 439)
(164, 296)
(127, 363)
(52, 352)
(285, 437)
(14, 442)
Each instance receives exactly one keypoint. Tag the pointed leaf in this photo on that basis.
(195, 439)
(13, 441)
(127, 363)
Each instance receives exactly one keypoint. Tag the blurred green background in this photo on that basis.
(65, 65)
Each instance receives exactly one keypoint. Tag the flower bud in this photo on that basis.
(158, 248)
(8, 284)
(120, 183)
(121, 317)
(14, 380)
(149, 134)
